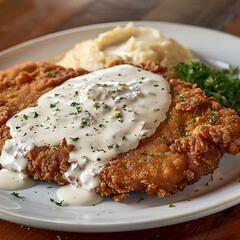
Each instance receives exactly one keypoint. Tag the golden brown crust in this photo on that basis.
(49, 164)
(21, 86)
(185, 146)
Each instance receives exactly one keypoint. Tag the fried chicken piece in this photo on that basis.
(20, 87)
(186, 146)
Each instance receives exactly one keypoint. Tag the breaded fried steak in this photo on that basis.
(20, 87)
(186, 146)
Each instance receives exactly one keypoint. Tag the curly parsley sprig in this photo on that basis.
(224, 85)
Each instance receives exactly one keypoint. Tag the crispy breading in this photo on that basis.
(20, 87)
(186, 146)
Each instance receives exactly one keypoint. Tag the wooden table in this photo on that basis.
(21, 20)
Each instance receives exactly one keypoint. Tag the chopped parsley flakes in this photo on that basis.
(57, 203)
(15, 194)
(213, 118)
(51, 74)
(36, 115)
(140, 199)
(85, 122)
(74, 139)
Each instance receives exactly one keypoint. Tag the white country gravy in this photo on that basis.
(102, 114)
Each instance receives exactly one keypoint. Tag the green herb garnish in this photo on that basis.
(140, 199)
(74, 139)
(57, 203)
(36, 115)
(224, 85)
(52, 105)
(213, 118)
(15, 194)
(51, 74)
(85, 122)
(73, 104)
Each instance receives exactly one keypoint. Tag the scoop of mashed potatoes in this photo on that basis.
(131, 44)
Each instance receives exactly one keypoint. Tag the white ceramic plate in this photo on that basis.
(35, 209)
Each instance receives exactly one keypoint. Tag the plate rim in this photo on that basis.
(127, 226)
(103, 25)
(122, 227)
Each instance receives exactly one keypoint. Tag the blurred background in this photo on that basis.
(21, 20)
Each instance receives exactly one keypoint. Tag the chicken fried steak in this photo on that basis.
(20, 87)
(186, 146)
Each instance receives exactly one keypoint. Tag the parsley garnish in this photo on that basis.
(52, 105)
(74, 139)
(140, 199)
(110, 146)
(85, 122)
(164, 137)
(104, 165)
(57, 203)
(36, 115)
(182, 131)
(171, 205)
(213, 118)
(182, 98)
(15, 194)
(101, 150)
(51, 74)
(143, 154)
(224, 85)
(73, 104)
(96, 105)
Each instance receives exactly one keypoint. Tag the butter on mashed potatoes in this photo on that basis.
(131, 44)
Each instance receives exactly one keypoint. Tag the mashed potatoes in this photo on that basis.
(131, 44)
